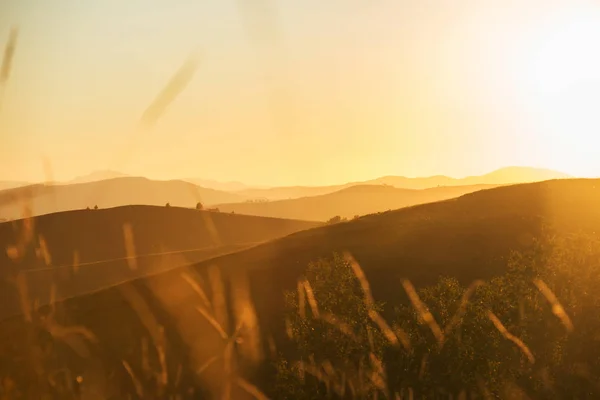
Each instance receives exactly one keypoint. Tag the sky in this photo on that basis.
(301, 91)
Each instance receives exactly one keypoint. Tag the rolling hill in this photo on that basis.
(503, 176)
(348, 202)
(11, 184)
(46, 199)
(178, 236)
(468, 237)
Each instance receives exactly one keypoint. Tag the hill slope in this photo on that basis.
(96, 235)
(469, 237)
(46, 199)
(502, 176)
(11, 184)
(355, 200)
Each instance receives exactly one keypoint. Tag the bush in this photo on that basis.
(330, 326)
(336, 219)
(534, 328)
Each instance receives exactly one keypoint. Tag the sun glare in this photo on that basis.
(559, 84)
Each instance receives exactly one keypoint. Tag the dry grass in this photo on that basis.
(243, 343)
(169, 93)
(423, 312)
(9, 53)
(7, 61)
(557, 308)
(520, 344)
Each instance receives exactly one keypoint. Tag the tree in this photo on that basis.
(168, 205)
(199, 206)
(96, 207)
(336, 219)
(333, 335)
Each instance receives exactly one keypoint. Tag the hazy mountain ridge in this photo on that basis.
(120, 189)
(97, 176)
(349, 202)
(45, 199)
(501, 176)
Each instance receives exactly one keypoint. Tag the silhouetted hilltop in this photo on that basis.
(86, 236)
(115, 192)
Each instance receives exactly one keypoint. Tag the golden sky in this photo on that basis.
(361, 88)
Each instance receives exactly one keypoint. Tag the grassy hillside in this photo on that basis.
(501, 176)
(46, 199)
(470, 237)
(355, 200)
(85, 237)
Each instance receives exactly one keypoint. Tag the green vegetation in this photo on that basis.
(330, 325)
(534, 328)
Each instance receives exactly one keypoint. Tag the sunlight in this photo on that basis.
(559, 85)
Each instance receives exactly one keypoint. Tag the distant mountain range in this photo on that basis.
(111, 189)
(350, 201)
(97, 176)
(498, 177)
(501, 176)
(225, 186)
(45, 199)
